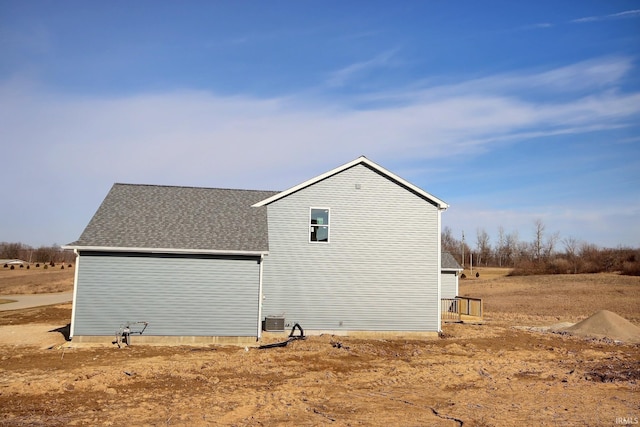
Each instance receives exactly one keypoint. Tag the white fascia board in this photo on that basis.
(166, 250)
(308, 183)
(441, 204)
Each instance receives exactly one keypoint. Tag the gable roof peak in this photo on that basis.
(360, 160)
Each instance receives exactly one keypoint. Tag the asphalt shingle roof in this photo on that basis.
(153, 216)
(448, 262)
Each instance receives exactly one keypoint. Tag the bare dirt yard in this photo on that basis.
(498, 373)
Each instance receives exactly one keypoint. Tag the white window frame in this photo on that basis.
(323, 225)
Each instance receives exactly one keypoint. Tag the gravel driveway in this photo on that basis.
(34, 300)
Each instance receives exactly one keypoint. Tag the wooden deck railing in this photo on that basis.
(458, 308)
(450, 309)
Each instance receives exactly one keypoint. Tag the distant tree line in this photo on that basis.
(547, 253)
(43, 254)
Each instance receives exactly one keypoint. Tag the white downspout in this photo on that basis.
(75, 293)
(260, 299)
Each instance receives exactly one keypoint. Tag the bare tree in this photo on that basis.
(571, 245)
(482, 246)
(538, 244)
(591, 257)
(523, 252)
(449, 243)
(10, 250)
(500, 248)
(511, 247)
(550, 244)
(51, 253)
(452, 245)
(507, 247)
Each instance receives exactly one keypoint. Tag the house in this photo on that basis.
(9, 262)
(450, 272)
(356, 249)
(456, 308)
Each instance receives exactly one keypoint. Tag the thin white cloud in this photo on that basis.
(627, 14)
(191, 133)
(203, 139)
(341, 77)
(587, 74)
(635, 13)
(537, 26)
(586, 77)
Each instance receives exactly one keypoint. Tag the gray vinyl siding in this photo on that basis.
(380, 270)
(177, 295)
(449, 284)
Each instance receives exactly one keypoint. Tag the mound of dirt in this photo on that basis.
(606, 324)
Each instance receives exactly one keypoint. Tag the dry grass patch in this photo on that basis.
(36, 280)
(555, 298)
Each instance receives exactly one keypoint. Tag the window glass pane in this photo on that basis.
(320, 216)
(319, 233)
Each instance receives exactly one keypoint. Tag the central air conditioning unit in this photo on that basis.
(274, 323)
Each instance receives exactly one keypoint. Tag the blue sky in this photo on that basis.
(508, 111)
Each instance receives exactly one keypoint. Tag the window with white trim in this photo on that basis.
(319, 225)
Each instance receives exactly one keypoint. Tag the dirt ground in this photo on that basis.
(491, 374)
